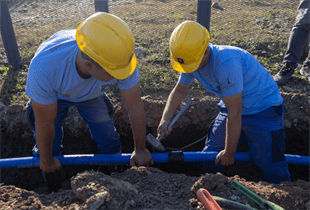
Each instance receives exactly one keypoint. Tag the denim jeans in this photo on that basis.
(265, 136)
(97, 113)
(299, 36)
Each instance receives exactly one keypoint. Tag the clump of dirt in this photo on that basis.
(287, 195)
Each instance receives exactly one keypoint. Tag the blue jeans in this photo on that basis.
(299, 36)
(97, 113)
(265, 136)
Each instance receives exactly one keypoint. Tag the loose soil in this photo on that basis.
(161, 186)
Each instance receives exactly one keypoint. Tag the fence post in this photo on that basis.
(8, 36)
(204, 13)
(101, 6)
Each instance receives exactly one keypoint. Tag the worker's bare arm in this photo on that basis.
(173, 103)
(134, 104)
(233, 129)
(45, 131)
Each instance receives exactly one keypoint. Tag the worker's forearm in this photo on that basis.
(233, 130)
(138, 125)
(173, 103)
(45, 135)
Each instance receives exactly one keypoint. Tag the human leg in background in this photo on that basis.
(305, 70)
(297, 41)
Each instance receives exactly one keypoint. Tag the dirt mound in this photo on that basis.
(151, 188)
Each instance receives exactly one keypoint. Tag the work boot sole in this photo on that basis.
(303, 72)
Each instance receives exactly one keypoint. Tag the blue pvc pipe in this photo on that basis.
(117, 159)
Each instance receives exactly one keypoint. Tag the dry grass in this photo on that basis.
(261, 27)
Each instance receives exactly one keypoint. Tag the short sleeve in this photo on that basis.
(130, 81)
(230, 76)
(39, 88)
(186, 78)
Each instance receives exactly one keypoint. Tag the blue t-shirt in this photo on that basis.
(231, 70)
(52, 73)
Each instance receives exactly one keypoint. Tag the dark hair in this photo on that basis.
(84, 56)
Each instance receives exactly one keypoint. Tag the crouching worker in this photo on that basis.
(250, 107)
(75, 68)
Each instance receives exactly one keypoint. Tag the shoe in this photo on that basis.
(283, 75)
(305, 70)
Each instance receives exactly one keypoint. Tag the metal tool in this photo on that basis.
(263, 204)
(155, 142)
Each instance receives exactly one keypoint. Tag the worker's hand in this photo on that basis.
(141, 157)
(51, 174)
(225, 159)
(163, 125)
(50, 167)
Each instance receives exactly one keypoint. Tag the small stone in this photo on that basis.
(2, 106)
(133, 203)
(220, 178)
(234, 198)
(139, 52)
(287, 124)
(96, 200)
(289, 89)
(215, 5)
(23, 10)
(13, 109)
(220, 187)
(127, 205)
(307, 205)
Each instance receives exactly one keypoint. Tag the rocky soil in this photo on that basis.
(142, 188)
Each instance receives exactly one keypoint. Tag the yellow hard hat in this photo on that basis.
(188, 43)
(109, 41)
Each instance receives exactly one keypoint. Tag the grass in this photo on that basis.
(260, 27)
(12, 86)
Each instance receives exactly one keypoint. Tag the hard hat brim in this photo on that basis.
(183, 68)
(123, 73)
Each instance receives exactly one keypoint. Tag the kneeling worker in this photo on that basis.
(76, 68)
(251, 104)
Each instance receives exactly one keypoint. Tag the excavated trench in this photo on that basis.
(31, 178)
(17, 141)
